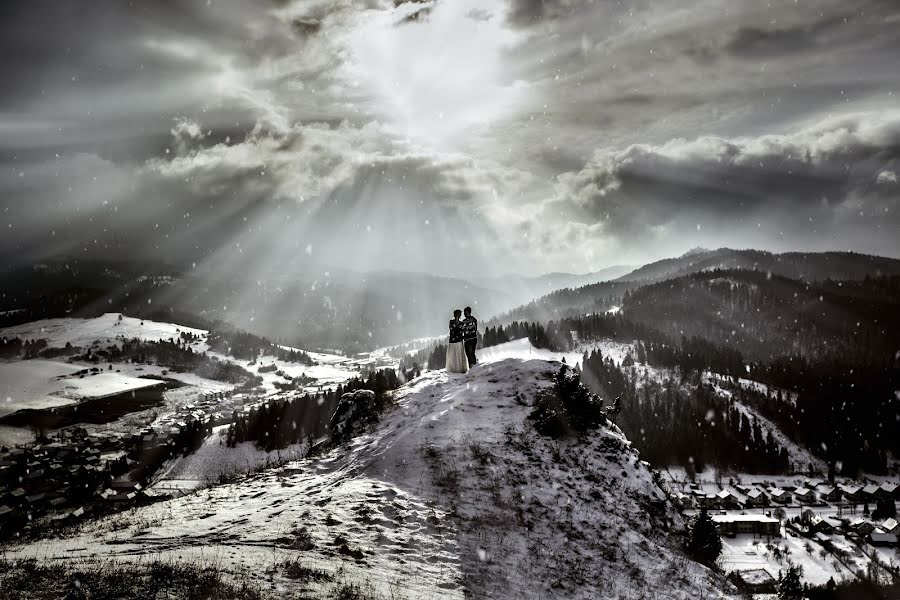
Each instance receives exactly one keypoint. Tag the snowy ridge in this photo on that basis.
(110, 326)
(451, 495)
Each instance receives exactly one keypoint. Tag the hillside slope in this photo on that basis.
(768, 315)
(807, 266)
(451, 495)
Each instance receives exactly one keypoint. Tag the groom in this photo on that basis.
(470, 334)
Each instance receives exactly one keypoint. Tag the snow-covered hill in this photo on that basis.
(452, 494)
(110, 326)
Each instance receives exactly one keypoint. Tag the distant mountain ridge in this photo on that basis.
(800, 266)
(767, 315)
(315, 308)
(557, 280)
(808, 266)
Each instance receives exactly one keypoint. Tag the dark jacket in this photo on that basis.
(470, 328)
(456, 331)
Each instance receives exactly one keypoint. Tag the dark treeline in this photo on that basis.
(769, 316)
(550, 336)
(846, 410)
(689, 426)
(248, 346)
(553, 336)
(176, 355)
(846, 413)
(569, 302)
(279, 423)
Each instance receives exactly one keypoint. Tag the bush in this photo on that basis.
(567, 408)
(28, 579)
(354, 412)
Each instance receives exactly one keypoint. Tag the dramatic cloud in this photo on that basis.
(811, 185)
(455, 137)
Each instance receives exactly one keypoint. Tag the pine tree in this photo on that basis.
(704, 543)
(789, 584)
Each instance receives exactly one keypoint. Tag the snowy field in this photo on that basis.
(84, 332)
(522, 349)
(33, 384)
(104, 384)
(451, 495)
(746, 552)
(214, 460)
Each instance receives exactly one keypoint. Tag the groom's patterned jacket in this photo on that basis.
(470, 328)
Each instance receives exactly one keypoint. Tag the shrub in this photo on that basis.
(567, 408)
(31, 580)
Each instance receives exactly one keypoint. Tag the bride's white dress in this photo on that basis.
(456, 358)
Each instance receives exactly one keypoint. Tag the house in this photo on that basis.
(704, 500)
(780, 496)
(890, 490)
(36, 499)
(829, 493)
(861, 527)
(123, 486)
(817, 524)
(756, 498)
(726, 499)
(879, 537)
(731, 525)
(804, 495)
(871, 492)
(852, 493)
(822, 538)
(17, 496)
(890, 525)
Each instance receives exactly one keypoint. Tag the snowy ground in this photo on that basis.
(452, 495)
(42, 384)
(214, 461)
(330, 371)
(746, 552)
(33, 384)
(83, 332)
(104, 384)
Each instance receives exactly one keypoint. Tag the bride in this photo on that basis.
(456, 351)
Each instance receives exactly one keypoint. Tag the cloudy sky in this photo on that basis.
(454, 136)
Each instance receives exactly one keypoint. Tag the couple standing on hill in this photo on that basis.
(463, 339)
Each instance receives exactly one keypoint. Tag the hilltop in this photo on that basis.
(807, 266)
(451, 494)
(804, 267)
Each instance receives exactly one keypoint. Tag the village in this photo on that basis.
(842, 531)
(87, 468)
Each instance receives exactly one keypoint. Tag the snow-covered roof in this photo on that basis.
(744, 519)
